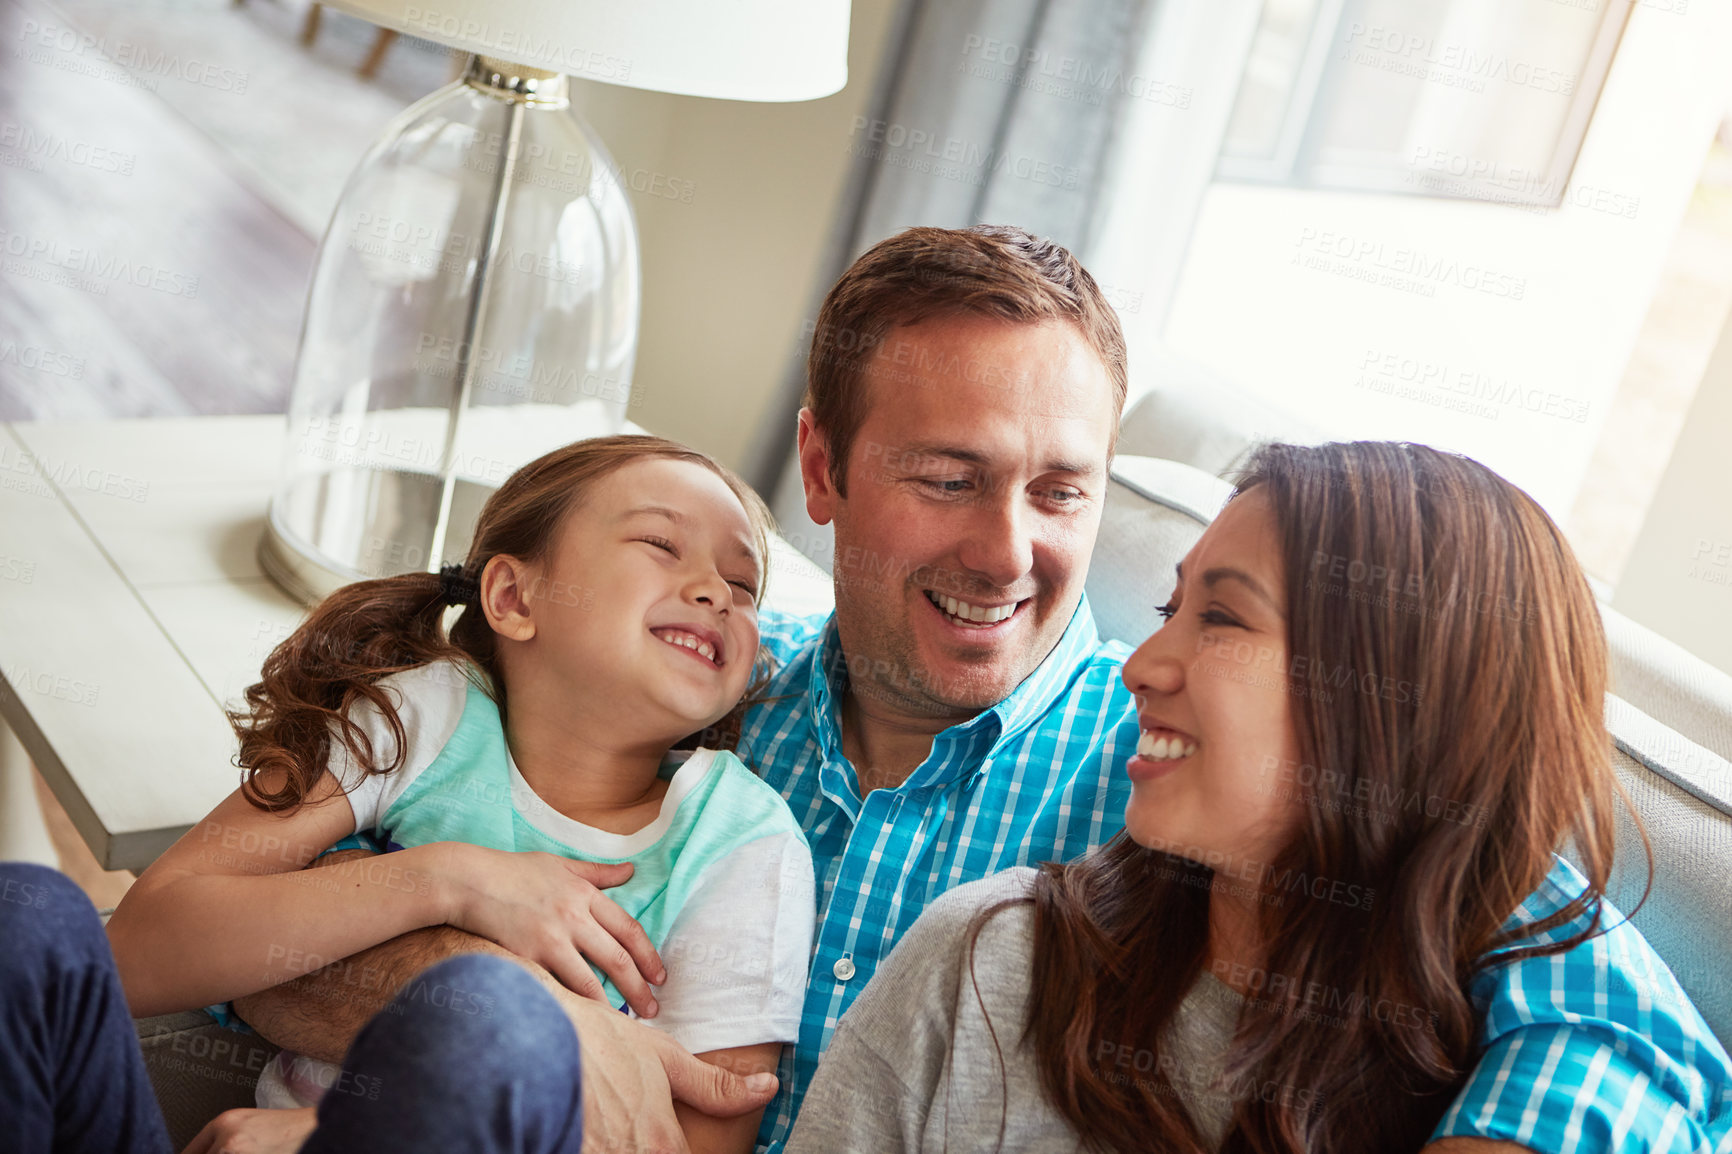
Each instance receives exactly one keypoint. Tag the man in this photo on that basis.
(958, 713)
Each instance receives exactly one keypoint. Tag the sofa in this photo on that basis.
(1670, 720)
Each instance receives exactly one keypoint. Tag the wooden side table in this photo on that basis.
(131, 609)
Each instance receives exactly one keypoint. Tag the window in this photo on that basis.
(1481, 99)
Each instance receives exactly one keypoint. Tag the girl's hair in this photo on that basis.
(1448, 673)
(366, 631)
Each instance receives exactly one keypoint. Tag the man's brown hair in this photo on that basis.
(920, 273)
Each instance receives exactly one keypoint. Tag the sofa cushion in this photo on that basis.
(1155, 511)
(1189, 412)
(199, 1069)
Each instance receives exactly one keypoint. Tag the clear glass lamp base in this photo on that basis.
(396, 536)
(474, 305)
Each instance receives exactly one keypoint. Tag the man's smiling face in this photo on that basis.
(974, 490)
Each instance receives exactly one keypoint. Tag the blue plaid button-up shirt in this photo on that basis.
(1597, 1049)
(1038, 777)
(1594, 1049)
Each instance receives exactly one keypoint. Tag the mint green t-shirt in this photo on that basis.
(722, 880)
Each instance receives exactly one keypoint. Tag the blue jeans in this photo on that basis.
(473, 1055)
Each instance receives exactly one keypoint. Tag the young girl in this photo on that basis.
(609, 610)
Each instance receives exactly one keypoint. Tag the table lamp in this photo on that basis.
(474, 303)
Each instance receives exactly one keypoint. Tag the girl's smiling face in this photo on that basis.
(645, 608)
(1214, 701)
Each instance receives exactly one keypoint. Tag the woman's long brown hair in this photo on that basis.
(366, 631)
(1448, 666)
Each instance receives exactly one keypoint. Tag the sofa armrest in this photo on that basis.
(1682, 794)
(1669, 683)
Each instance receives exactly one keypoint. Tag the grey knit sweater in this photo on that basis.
(913, 1066)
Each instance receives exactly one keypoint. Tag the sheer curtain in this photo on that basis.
(1002, 111)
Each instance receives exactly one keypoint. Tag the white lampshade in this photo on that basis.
(772, 50)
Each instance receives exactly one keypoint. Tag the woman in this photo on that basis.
(1335, 921)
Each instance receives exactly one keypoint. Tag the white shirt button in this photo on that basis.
(843, 969)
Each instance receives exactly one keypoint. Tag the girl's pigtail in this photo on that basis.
(355, 637)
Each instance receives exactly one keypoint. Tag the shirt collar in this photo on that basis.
(1030, 701)
(1040, 690)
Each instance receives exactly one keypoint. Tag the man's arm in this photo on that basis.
(641, 1091)
(319, 1014)
(635, 1077)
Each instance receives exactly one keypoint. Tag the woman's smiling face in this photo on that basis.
(1214, 702)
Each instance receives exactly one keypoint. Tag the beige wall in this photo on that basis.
(1679, 578)
(728, 277)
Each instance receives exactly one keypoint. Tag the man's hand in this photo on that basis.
(632, 1075)
(255, 1132)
